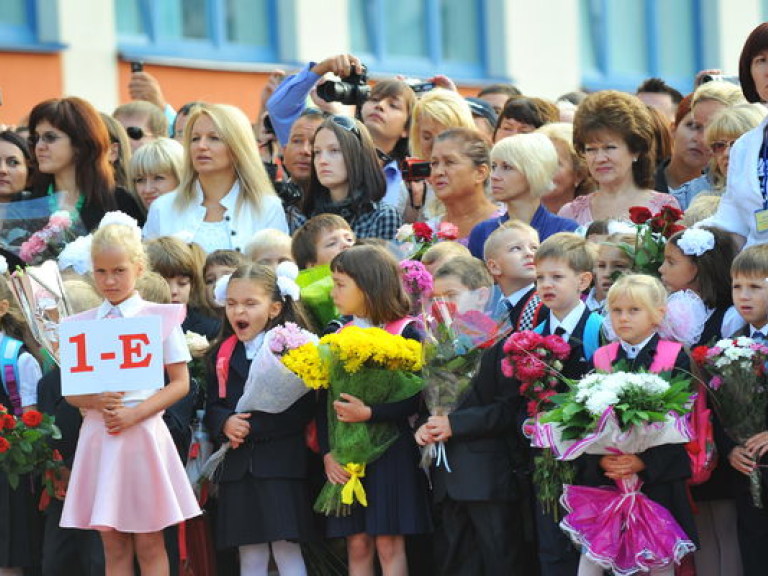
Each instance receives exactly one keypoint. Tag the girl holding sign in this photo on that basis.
(127, 479)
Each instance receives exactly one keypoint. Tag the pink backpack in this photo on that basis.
(701, 450)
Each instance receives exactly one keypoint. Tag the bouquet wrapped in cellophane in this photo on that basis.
(623, 412)
(536, 361)
(42, 300)
(373, 365)
(270, 386)
(452, 347)
(738, 386)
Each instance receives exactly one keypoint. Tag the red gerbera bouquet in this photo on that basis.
(24, 447)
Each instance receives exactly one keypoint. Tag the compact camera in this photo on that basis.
(414, 169)
(352, 90)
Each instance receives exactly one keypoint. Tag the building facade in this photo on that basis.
(223, 50)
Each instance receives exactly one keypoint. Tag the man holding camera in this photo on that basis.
(385, 115)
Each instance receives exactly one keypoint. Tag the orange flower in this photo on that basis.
(32, 418)
(4, 445)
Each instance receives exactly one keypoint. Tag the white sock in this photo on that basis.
(288, 557)
(254, 560)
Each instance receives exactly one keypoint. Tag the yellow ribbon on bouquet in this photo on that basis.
(353, 487)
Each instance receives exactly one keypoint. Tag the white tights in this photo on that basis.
(589, 568)
(254, 559)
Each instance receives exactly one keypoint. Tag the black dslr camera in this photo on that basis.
(352, 90)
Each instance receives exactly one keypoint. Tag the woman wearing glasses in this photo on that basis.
(225, 195)
(346, 180)
(71, 149)
(614, 132)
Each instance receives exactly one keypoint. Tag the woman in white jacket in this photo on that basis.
(743, 210)
(225, 195)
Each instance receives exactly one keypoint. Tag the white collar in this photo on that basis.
(253, 346)
(229, 199)
(633, 350)
(569, 322)
(592, 302)
(128, 307)
(763, 331)
(517, 295)
(362, 322)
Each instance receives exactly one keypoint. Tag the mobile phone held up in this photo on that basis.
(137, 66)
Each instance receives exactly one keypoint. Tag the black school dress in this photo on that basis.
(398, 500)
(263, 490)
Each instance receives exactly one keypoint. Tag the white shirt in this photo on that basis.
(175, 347)
(253, 346)
(29, 375)
(569, 322)
(632, 350)
(165, 219)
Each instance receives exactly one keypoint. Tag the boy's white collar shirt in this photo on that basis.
(517, 295)
(126, 309)
(568, 323)
(762, 331)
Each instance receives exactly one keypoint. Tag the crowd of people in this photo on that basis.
(302, 217)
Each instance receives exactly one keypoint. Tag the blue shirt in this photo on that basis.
(543, 221)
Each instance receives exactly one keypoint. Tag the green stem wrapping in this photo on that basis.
(549, 476)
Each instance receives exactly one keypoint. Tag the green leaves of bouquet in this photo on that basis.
(24, 447)
(653, 231)
(636, 398)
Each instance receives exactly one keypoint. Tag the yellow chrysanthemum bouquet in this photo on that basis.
(373, 365)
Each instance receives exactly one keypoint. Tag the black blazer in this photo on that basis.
(483, 426)
(275, 446)
(577, 365)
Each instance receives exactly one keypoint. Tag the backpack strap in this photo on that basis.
(223, 357)
(666, 354)
(9, 371)
(396, 328)
(529, 313)
(591, 336)
(604, 356)
(540, 328)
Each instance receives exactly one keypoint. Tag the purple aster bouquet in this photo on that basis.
(417, 282)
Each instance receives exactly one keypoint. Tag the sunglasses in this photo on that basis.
(46, 137)
(347, 123)
(720, 145)
(136, 133)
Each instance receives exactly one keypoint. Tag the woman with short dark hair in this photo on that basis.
(614, 132)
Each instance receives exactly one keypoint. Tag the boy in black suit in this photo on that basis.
(564, 264)
(749, 273)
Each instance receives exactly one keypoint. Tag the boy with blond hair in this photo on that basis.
(509, 256)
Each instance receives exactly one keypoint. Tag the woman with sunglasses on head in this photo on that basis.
(71, 148)
(225, 195)
(346, 180)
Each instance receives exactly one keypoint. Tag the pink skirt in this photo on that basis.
(131, 482)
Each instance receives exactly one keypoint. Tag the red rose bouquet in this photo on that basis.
(652, 232)
(415, 239)
(24, 447)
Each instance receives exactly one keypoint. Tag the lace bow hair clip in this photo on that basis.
(696, 241)
(287, 272)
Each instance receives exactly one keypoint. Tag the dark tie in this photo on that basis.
(560, 331)
(758, 336)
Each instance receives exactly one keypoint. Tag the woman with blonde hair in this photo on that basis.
(225, 195)
(572, 177)
(522, 169)
(155, 169)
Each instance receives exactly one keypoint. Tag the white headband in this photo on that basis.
(696, 241)
(287, 272)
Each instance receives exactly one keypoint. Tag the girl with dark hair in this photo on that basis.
(346, 180)
(367, 286)
(71, 147)
(263, 494)
(614, 132)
